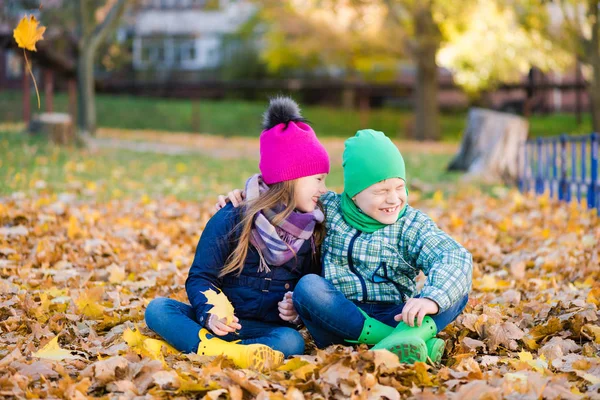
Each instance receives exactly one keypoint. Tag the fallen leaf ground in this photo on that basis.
(78, 271)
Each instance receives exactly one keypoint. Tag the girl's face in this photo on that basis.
(308, 190)
(383, 201)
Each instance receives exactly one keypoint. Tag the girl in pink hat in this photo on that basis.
(256, 253)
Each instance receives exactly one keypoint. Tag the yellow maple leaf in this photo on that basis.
(423, 377)
(133, 338)
(298, 367)
(154, 347)
(221, 307)
(117, 274)
(539, 364)
(27, 33)
(73, 230)
(146, 346)
(42, 313)
(592, 332)
(489, 283)
(52, 351)
(89, 303)
(191, 385)
(593, 296)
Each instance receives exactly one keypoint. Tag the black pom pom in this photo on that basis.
(281, 110)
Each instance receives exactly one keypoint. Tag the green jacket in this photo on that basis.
(382, 266)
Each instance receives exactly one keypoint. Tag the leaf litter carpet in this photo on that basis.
(77, 276)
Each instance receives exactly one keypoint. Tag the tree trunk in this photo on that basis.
(88, 45)
(49, 89)
(427, 124)
(86, 107)
(594, 11)
(595, 96)
(490, 145)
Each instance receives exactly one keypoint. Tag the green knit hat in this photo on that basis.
(370, 157)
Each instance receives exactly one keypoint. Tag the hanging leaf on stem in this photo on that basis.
(27, 34)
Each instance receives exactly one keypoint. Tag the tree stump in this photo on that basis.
(490, 145)
(57, 127)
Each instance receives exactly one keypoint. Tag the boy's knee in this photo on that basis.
(307, 282)
(308, 287)
(291, 342)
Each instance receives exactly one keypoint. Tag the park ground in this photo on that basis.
(89, 236)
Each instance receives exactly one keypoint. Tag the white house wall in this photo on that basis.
(191, 22)
(172, 30)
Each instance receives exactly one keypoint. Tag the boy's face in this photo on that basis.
(308, 190)
(383, 201)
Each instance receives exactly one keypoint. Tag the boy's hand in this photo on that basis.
(287, 312)
(220, 328)
(417, 308)
(236, 196)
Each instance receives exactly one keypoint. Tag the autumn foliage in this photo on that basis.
(77, 276)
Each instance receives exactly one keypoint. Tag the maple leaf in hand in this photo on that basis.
(222, 308)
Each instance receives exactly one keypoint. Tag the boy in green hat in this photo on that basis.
(375, 246)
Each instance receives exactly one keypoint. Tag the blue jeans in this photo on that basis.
(176, 323)
(331, 318)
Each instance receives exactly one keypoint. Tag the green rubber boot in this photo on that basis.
(373, 331)
(435, 349)
(408, 343)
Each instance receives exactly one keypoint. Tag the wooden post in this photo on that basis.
(578, 92)
(72, 89)
(529, 92)
(49, 89)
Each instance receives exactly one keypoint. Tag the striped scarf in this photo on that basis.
(277, 244)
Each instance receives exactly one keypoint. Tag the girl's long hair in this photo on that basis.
(278, 193)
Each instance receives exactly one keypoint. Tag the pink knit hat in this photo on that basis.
(289, 148)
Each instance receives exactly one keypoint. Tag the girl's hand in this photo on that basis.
(417, 308)
(219, 326)
(236, 196)
(287, 312)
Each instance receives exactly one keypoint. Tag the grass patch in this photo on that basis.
(30, 164)
(242, 118)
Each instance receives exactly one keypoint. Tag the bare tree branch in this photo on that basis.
(102, 30)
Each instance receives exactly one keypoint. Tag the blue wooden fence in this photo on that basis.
(564, 166)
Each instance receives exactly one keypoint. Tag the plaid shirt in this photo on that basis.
(382, 266)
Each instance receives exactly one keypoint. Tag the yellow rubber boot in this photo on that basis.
(258, 357)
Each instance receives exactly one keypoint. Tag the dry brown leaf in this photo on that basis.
(472, 344)
(480, 390)
(111, 369)
(558, 347)
(505, 334)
